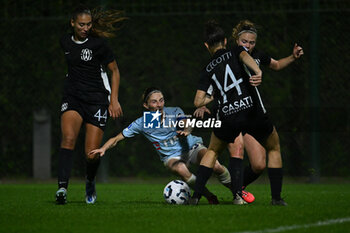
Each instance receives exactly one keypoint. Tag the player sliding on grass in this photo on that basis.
(176, 148)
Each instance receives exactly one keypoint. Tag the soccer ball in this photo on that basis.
(177, 192)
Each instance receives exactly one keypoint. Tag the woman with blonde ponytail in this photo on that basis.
(245, 34)
(88, 96)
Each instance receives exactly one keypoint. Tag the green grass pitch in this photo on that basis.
(139, 207)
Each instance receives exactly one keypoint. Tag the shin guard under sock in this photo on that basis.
(236, 171)
(276, 177)
(65, 161)
(91, 168)
(249, 176)
(203, 175)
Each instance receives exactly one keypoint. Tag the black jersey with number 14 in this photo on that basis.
(87, 60)
(230, 83)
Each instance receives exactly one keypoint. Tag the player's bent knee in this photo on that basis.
(174, 165)
(258, 168)
(68, 142)
(181, 170)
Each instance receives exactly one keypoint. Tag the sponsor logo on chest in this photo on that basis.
(237, 106)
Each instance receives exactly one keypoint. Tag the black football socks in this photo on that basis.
(203, 175)
(276, 177)
(91, 168)
(249, 176)
(236, 171)
(65, 161)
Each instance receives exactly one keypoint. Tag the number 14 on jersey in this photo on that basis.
(235, 83)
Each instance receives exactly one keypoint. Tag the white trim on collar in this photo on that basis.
(78, 41)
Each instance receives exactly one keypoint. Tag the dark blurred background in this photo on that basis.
(161, 45)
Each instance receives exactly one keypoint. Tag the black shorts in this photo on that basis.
(258, 126)
(95, 114)
(228, 131)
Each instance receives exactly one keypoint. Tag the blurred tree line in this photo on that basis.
(161, 45)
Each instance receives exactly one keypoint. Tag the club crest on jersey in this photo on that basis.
(64, 107)
(86, 54)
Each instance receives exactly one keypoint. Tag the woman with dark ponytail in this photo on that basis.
(232, 88)
(88, 97)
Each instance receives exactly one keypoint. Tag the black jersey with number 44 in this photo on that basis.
(230, 83)
(87, 60)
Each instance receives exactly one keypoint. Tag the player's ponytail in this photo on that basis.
(104, 22)
(213, 33)
(244, 26)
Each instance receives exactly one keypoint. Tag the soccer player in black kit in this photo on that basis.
(232, 89)
(245, 34)
(87, 96)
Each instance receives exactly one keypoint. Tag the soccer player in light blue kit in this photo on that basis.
(176, 148)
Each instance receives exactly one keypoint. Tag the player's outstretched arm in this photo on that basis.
(284, 62)
(255, 80)
(109, 144)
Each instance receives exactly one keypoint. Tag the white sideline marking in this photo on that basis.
(293, 227)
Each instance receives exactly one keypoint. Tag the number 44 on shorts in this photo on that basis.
(99, 116)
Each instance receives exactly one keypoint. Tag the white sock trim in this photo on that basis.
(224, 177)
(191, 181)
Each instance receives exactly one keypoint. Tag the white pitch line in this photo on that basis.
(293, 227)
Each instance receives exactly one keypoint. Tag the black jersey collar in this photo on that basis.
(219, 52)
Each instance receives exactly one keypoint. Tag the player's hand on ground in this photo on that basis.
(200, 112)
(297, 51)
(115, 110)
(255, 80)
(100, 151)
(182, 133)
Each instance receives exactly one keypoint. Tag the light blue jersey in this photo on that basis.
(164, 138)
